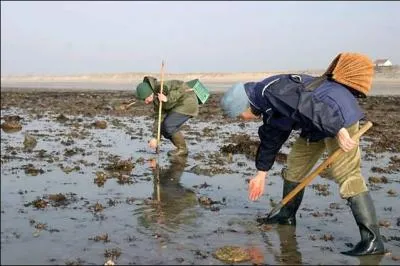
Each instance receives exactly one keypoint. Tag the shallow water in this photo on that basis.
(178, 230)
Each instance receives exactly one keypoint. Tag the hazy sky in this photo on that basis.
(90, 37)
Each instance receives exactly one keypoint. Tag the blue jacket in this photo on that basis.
(287, 105)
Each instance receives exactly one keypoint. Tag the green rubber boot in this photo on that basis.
(287, 214)
(179, 141)
(364, 213)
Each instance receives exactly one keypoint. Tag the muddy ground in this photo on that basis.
(77, 187)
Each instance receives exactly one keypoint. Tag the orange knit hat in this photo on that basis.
(353, 70)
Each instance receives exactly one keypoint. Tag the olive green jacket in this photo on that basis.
(180, 99)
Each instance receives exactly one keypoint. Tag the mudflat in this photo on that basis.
(77, 187)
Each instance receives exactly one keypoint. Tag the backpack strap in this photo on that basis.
(316, 83)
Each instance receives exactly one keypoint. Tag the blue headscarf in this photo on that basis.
(235, 101)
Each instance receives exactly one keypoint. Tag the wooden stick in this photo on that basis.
(127, 106)
(316, 172)
(159, 109)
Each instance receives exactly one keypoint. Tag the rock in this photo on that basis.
(180, 260)
(335, 206)
(112, 253)
(392, 193)
(322, 189)
(313, 237)
(101, 124)
(97, 207)
(12, 118)
(327, 237)
(317, 214)
(41, 226)
(109, 108)
(73, 151)
(384, 223)
(232, 254)
(32, 170)
(103, 237)
(39, 203)
(57, 197)
(29, 142)
(68, 142)
(100, 179)
(62, 118)
(124, 179)
(325, 174)
(377, 180)
(242, 145)
(11, 126)
(121, 166)
(203, 200)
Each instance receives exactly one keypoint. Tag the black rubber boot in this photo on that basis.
(287, 214)
(179, 141)
(364, 213)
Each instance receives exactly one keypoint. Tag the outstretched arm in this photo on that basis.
(272, 139)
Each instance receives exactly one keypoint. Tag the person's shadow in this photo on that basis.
(171, 201)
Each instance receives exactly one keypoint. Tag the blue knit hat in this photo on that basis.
(235, 101)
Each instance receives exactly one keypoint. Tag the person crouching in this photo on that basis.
(179, 104)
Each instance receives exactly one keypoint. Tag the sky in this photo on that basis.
(78, 37)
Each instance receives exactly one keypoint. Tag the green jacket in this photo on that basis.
(180, 100)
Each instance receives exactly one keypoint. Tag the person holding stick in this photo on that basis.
(178, 102)
(326, 111)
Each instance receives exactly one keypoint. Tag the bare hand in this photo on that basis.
(153, 143)
(346, 143)
(257, 185)
(162, 97)
(153, 163)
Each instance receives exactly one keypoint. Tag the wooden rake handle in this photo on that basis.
(316, 172)
(160, 109)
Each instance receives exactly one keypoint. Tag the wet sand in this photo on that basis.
(77, 187)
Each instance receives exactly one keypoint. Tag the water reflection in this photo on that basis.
(11, 130)
(172, 203)
(288, 251)
(290, 254)
(371, 259)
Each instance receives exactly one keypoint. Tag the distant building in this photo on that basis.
(383, 63)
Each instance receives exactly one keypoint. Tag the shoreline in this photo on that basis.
(385, 81)
(390, 74)
(379, 87)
